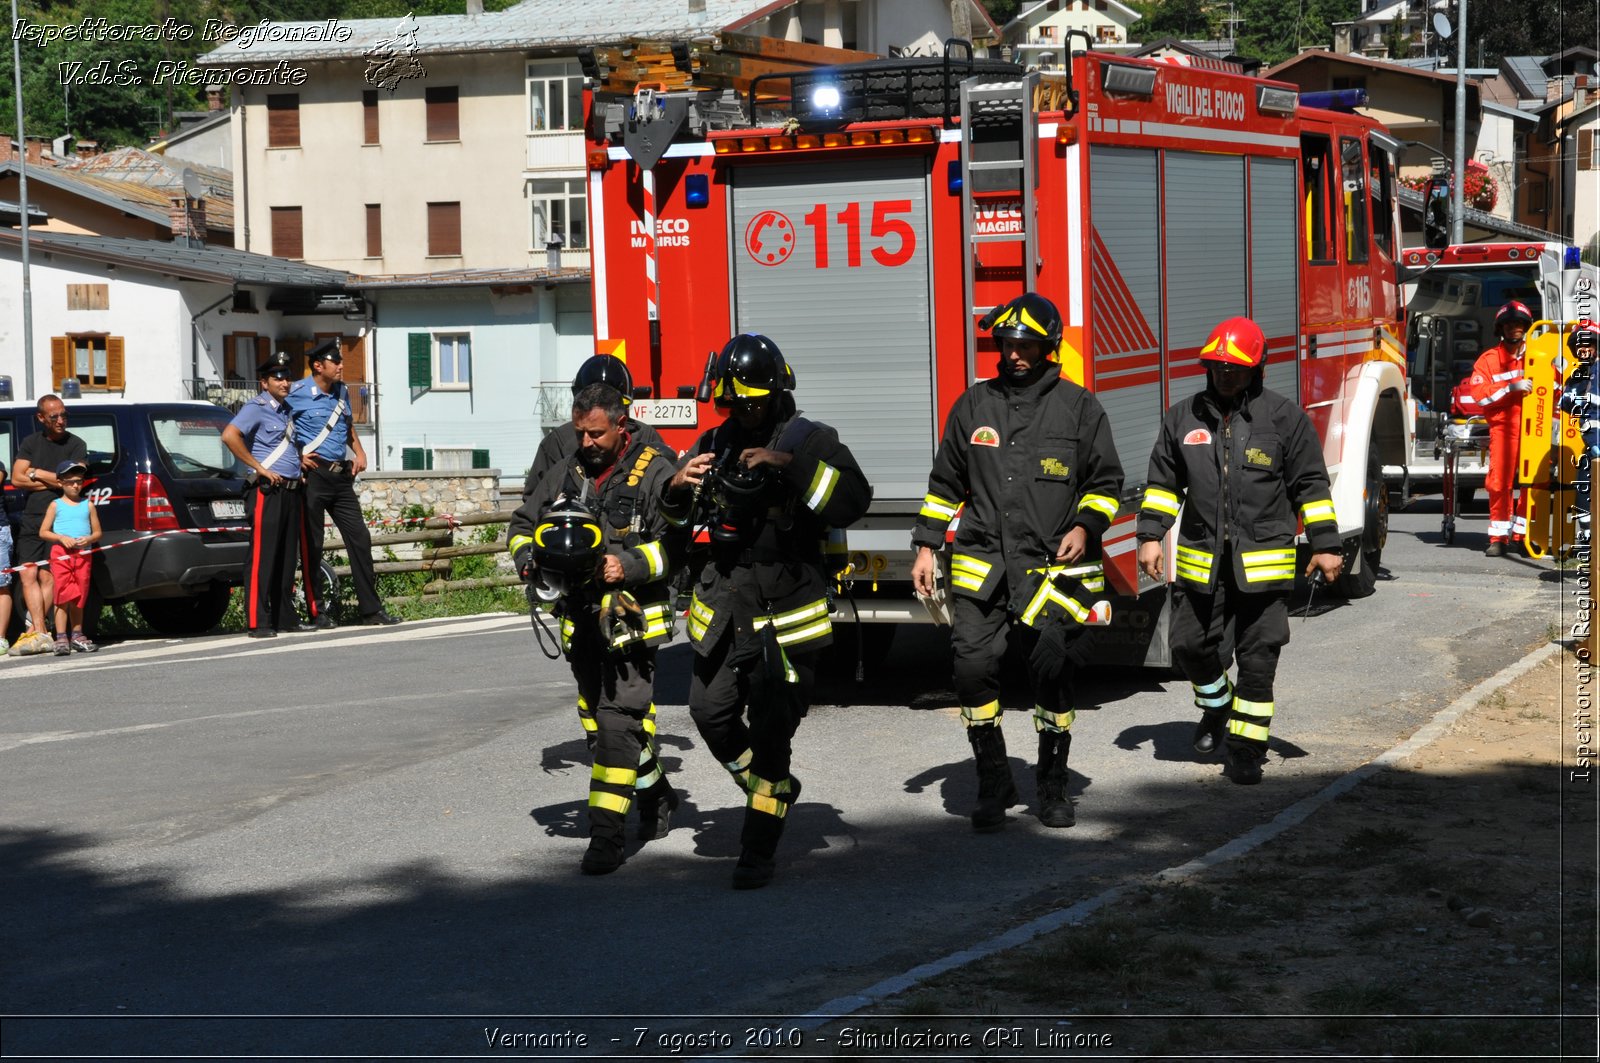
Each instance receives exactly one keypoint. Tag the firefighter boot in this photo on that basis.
(758, 841)
(1243, 760)
(996, 790)
(656, 806)
(605, 842)
(1055, 808)
(1208, 732)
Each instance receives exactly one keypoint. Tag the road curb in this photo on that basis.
(1252, 839)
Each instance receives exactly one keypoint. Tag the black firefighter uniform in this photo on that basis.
(1240, 478)
(1023, 465)
(611, 632)
(760, 610)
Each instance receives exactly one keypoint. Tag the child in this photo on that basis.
(70, 524)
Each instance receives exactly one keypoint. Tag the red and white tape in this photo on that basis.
(102, 548)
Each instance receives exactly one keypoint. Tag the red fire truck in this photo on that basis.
(867, 216)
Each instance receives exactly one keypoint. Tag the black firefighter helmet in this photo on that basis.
(568, 543)
(751, 366)
(605, 369)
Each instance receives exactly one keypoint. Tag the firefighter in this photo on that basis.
(768, 485)
(561, 443)
(1242, 463)
(1494, 390)
(593, 536)
(1580, 400)
(1028, 460)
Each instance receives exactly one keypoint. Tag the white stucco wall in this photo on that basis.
(1586, 190)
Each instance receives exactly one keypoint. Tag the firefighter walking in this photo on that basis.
(593, 536)
(1028, 460)
(1494, 390)
(768, 485)
(1241, 463)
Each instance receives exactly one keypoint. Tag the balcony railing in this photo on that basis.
(232, 394)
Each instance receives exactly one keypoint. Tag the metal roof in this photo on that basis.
(1480, 219)
(221, 265)
(531, 24)
(138, 200)
(152, 179)
(1526, 75)
(462, 278)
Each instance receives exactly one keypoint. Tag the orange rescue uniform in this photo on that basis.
(1489, 393)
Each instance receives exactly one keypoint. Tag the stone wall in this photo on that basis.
(471, 491)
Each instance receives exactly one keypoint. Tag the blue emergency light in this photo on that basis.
(953, 177)
(697, 190)
(1571, 257)
(1335, 100)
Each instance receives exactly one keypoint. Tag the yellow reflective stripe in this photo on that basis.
(1266, 557)
(1268, 575)
(1194, 564)
(1196, 555)
(612, 802)
(795, 616)
(700, 617)
(1318, 509)
(1244, 729)
(936, 508)
(1214, 696)
(657, 622)
(742, 389)
(650, 779)
(770, 805)
(1053, 721)
(968, 572)
(614, 776)
(1160, 500)
(768, 788)
(1264, 566)
(655, 558)
(823, 481)
(1100, 504)
(1049, 594)
(980, 714)
(805, 634)
(1263, 709)
(741, 763)
(1092, 569)
(588, 723)
(517, 542)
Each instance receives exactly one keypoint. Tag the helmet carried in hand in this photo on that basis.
(568, 544)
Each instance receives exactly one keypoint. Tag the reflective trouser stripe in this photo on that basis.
(1264, 566)
(1250, 719)
(611, 802)
(740, 768)
(1214, 696)
(768, 788)
(614, 776)
(770, 805)
(980, 715)
(1053, 721)
(586, 716)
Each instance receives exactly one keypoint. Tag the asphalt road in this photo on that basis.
(388, 822)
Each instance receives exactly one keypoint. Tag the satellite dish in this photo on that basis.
(193, 187)
(1441, 25)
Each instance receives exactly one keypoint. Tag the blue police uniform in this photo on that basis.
(277, 527)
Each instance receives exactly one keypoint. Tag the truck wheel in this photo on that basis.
(1374, 533)
(193, 615)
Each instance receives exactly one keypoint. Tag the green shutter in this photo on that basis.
(480, 459)
(419, 359)
(416, 459)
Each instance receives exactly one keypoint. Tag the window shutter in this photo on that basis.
(443, 114)
(116, 364)
(353, 349)
(419, 359)
(60, 360)
(374, 230)
(416, 459)
(480, 459)
(263, 350)
(283, 120)
(287, 233)
(369, 116)
(1585, 149)
(444, 228)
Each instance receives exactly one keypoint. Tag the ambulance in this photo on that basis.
(867, 216)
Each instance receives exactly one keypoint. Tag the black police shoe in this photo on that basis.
(296, 626)
(263, 633)
(381, 618)
(324, 622)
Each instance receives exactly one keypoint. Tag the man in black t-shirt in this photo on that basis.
(34, 474)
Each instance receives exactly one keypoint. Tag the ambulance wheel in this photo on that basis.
(1374, 534)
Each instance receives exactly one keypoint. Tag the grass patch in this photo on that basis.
(1195, 908)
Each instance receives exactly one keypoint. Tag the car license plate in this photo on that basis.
(227, 509)
(665, 412)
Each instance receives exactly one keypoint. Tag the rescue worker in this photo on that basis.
(1028, 459)
(1242, 463)
(1580, 400)
(768, 484)
(594, 536)
(561, 443)
(1494, 391)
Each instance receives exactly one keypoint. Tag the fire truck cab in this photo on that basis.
(866, 217)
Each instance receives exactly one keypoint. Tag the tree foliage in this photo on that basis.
(117, 114)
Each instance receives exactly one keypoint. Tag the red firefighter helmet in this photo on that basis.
(1237, 341)
(1512, 313)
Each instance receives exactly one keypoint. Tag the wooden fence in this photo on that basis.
(438, 550)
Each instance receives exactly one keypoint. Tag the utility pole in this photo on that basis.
(1459, 201)
(21, 148)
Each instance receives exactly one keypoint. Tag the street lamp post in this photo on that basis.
(1457, 215)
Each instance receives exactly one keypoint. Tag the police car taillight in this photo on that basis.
(152, 509)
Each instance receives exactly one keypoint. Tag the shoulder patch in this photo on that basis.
(985, 437)
(1198, 437)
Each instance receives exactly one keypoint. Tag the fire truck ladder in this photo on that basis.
(988, 105)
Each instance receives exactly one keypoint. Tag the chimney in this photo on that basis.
(214, 101)
(87, 149)
(188, 217)
(1555, 88)
(474, 7)
(5, 147)
(35, 149)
